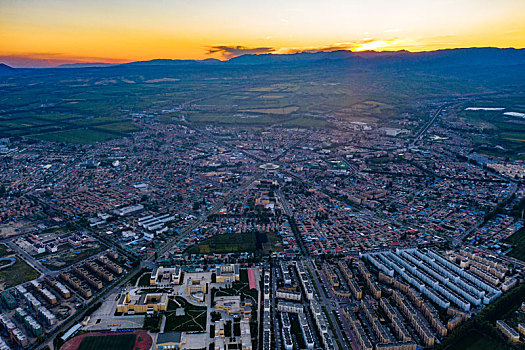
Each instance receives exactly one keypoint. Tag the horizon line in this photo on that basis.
(64, 63)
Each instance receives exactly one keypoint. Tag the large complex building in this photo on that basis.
(233, 306)
(165, 276)
(227, 273)
(169, 340)
(134, 303)
(433, 275)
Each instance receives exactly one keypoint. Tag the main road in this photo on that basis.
(188, 229)
(424, 129)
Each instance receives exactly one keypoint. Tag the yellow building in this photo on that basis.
(228, 273)
(233, 306)
(194, 286)
(165, 275)
(133, 303)
(219, 328)
(508, 331)
(169, 340)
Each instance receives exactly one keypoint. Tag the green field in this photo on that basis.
(17, 274)
(237, 288)
(80, 136)
(96, 103)
(478, 341)
(231, 120)
(481, 329)
(194, 319)
(227, 243)
(497, 129)
(306, 123)
(65, 127)
(144, 280)
(85, 106)
(109, 342)
(518, 243)
(152, 323)
(236, 243)
(3, 251)
(97, 121)
(121, 127)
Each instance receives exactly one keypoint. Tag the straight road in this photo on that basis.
(424, 129)
(29, 259)
(188, 229)
(325, 301)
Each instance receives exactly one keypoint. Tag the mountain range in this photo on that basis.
(440, 59)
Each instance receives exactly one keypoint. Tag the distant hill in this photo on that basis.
(440, 58)
(295, 58)
(85, 65)
(6, 70)
(476, 63)
(168, 62)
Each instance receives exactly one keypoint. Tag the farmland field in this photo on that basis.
(100, 104)
(278, 111)
(81, 136)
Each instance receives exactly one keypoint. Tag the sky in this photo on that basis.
(44, 33)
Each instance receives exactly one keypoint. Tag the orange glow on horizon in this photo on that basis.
(117, 31)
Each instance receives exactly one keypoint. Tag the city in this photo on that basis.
(278, 175)
(235, 237)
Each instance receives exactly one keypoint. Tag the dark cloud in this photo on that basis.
(229, 51)
(347, 46)
(233, 51)
(323, 49)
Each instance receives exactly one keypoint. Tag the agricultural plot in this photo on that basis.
(501, 135)
(122, 128)
(80, 136)
(92, 106)
(64, 127)
(233, 120)
(272, 110)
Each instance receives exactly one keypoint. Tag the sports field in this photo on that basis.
(136, 340)
(109, 342)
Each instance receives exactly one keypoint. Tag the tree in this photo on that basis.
(215, 316)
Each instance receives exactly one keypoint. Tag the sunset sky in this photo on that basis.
(38, 33)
